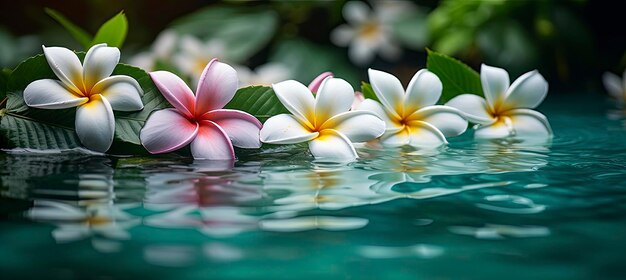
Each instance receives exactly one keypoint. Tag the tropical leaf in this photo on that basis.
(457, 77)
(244, 30)
(78, 33)
(113, 32)
(259, 101)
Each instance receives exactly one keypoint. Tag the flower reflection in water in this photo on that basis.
(206, 201)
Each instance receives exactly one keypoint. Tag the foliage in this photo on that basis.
(456, 77)
(112, 32)
(259, 101)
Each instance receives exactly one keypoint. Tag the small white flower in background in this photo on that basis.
(412, 117)
(195, 54)
(266, 74)
(506, 109)
(162, 49)
(616, 86)
(89, 87)
(369, 31)
(324, 120)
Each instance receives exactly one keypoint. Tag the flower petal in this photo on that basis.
(473, 107)
(342, 35)
(95, 124)
(285, 129)
(423, 90)
(613, 84)
(175, 91)
(396, 138)
(241, 127)
(356, 12)
(335, 96)
(500, 129)
(528, 91)
(123, 92)
(529, 123)
(447, 120)
(212, 143)
(332, 144)
(389, 91)
(66, 66)
(317, 82)
(423, 134)
(167, 130)
(216, 87)
(358, 126)
(99, 63)
(376, 108)
(51, 94)
(298, 99)
(495, 83)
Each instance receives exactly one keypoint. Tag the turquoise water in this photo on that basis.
(471, 210)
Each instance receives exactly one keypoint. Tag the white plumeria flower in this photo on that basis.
(369, 31)
(161, 49)
(324, 120)
(195, 54)
(616, 86)
(506, 109)
(89, 87)
(265, 74)
(412, 117)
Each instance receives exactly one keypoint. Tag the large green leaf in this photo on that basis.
(259, 101)
(27, 127)
(113, 32)
(78, 33)
(457, 77)
(4, 79)
(243, 30)
(306, 60)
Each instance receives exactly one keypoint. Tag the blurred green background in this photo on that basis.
(570, 42)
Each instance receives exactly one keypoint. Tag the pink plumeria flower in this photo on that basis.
(322, 120)
(507, 109)
(90, 88)
(411, 115)
(200, 119)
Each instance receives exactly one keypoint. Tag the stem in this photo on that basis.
(4, 102)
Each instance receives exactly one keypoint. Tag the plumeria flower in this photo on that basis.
(315, 85)
(506, 109)
(89, 87)
(367, 31)
(266, 74)
(161, 50)
(200, 120)
(323, 120)
(616, 86)
(194, 54)
(411, 116)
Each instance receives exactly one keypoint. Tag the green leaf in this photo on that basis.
(412, 31)
(259, 101)
(78, 33)
(4, 79)
(306, 61)
(368, 91)
(457, 77)
(113, 32)
(244, 31)
(26, 127)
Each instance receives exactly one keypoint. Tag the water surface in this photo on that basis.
(473, 210)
